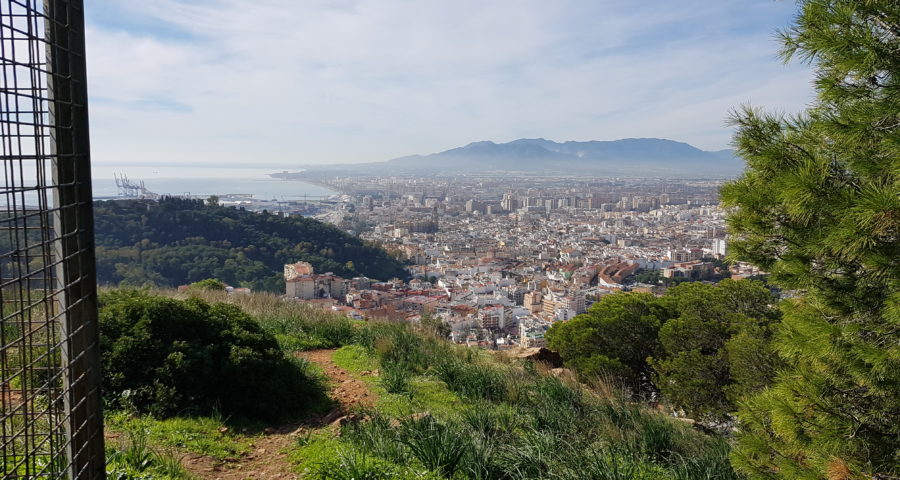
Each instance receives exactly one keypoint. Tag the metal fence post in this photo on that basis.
(74, 226)
(51, 419)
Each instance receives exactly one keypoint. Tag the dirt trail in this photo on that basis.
(267, 458)
(346, 390)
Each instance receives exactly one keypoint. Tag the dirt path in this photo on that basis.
(267, 458)
(346, 390)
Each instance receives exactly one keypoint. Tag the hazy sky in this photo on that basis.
(285, 82)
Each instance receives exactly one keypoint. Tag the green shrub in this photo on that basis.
(208, 284)
(166, 357)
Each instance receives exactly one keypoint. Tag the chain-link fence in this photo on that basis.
(52, 421)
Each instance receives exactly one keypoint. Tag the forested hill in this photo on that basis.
(175, 241)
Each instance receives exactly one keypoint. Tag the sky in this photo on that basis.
(284, 83)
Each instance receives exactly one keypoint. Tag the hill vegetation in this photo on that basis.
(701, 346)
(176, 242)
(164, 356)
(437, 410)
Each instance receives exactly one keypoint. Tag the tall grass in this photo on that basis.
(512, 420)
(395, 379)
(521, 423)
(296, 326)
(441, 447)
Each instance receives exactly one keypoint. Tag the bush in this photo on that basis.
(164, 356)
(208, 284)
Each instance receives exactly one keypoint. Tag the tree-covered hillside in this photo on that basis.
(175, 241)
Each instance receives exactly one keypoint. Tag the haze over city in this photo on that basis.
(286, 83)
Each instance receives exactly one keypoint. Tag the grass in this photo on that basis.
(441, 447)
(395, 379)
(296, 326)
(354, 359)
(131, 456)
(463, 414)
(432, 395)
(443, 411)
(201, 435)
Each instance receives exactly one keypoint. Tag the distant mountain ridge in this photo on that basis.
(628, 156)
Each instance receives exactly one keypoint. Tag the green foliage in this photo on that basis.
(354, 359)
(208, 284)
(165, 357)
(818, 208)
(652, 277)
(175, 241)
(440, 447)
(716, 347)
(351, 465)
(201, 435)
(395, 379)
(308, 329)
(614, 337)
(701, 345)
(133, 458)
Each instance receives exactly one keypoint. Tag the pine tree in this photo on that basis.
(819, 207)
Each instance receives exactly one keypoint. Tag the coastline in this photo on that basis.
(261, 186)
(295, 177)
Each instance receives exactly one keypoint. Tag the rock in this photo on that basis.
(543, 355)
(564, 373)
(333, 415)
(346, 419)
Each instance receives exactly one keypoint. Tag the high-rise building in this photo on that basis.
(509, 203)
(719, 247)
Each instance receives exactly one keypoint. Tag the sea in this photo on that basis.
(207, 181)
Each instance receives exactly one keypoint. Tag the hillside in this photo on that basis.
(174, 242)
(406, 404)
(630, 156)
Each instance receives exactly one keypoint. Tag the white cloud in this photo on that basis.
(290, 82)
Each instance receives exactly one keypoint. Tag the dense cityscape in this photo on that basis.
(501, 259)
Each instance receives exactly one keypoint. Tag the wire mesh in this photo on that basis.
(49, 369)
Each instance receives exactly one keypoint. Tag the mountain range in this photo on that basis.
(629, 156)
